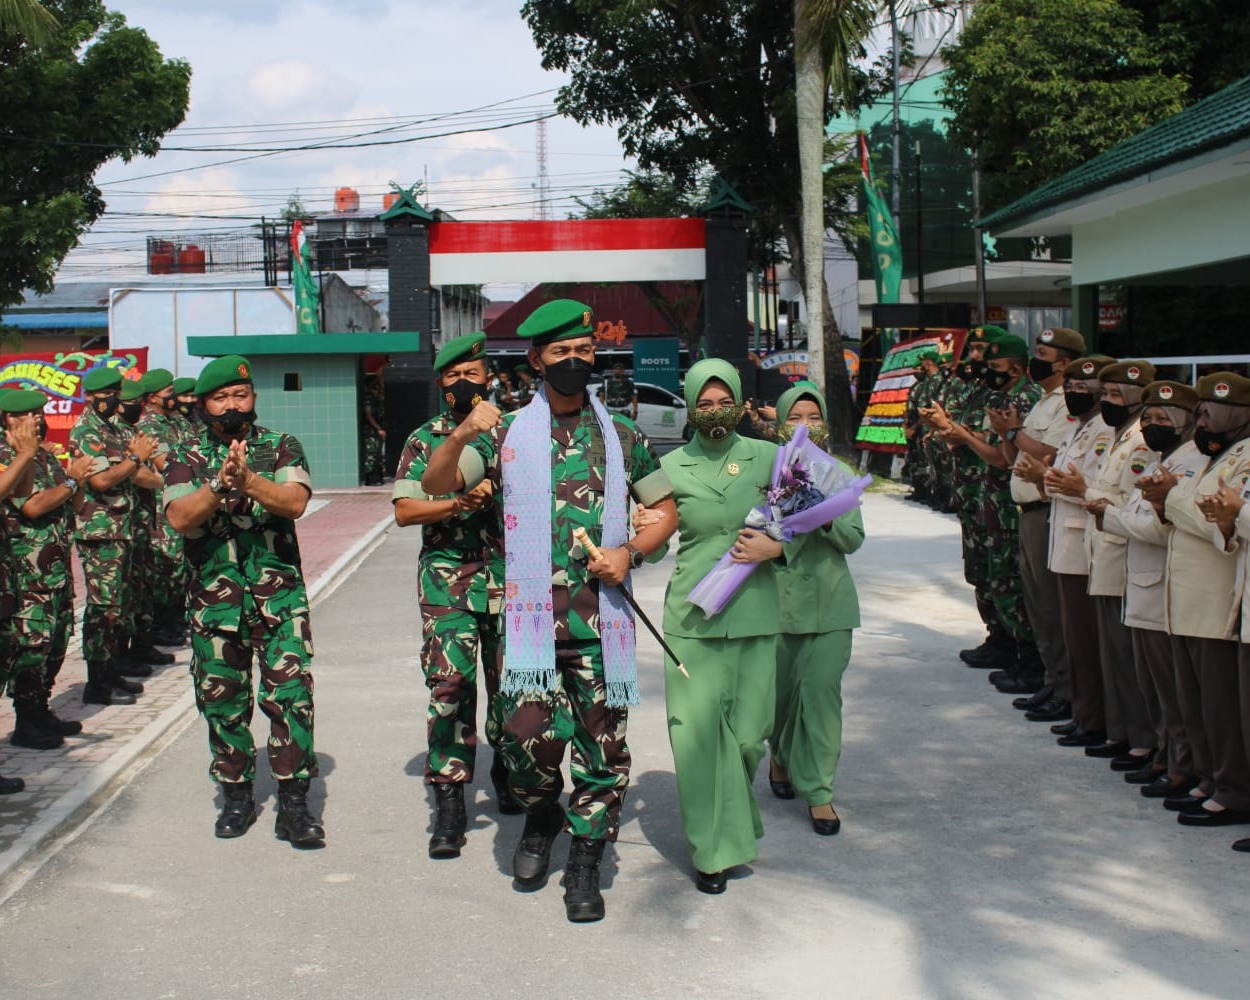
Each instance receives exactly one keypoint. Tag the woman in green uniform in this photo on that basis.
(819, 608)
(719, 716)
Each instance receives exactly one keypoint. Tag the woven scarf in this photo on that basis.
(529, 624)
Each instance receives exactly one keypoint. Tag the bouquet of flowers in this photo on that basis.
(809, 489)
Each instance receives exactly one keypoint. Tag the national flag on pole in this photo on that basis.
(887, 255)
(307, 301)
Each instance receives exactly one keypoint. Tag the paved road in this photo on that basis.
(977, 859)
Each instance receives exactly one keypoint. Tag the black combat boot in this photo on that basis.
(996, 651)
(100, 689)
(53, 722)
(143, 652)
(503, 795)
(29, 729)
(583, 903)
(238, 811)
(125, 664)
(450, 820)
(1029, 675)
(532, 856)
(294, 822)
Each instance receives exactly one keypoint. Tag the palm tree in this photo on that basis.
(27, 18)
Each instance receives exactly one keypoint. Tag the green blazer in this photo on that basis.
(711, 506)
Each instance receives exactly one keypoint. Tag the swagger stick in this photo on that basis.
(592, 550)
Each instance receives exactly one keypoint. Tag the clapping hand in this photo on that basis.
(1156, 487)
(1222, 507)
(1030, 469)
(235, 471)
(1066, 482)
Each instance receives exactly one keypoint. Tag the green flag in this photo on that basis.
(887, 255)
(307, 301)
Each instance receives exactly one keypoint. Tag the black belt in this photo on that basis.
(1025, 508)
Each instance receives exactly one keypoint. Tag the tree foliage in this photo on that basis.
(98, 90)
(28, 18)
(1206, 41)
(1038, 87)
(645, 195)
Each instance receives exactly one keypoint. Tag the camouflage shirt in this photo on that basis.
(242, 547)
(1023, 395)
(39, 548)
(461, 564)
(104, 514)
(164, 428)
(619, 392)
(578, 462)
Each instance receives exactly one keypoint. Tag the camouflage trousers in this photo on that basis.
(1001, 524)
(141, 610)
(167, 586)
(976, 565)
(106, 567)
(373, 457)
(538, 727)
(941, 469)
(451, 639)
(221, 669)
(41, 631)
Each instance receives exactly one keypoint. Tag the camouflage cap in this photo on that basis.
(102, 377)
(22, 401)
(1224, 387)
(132, 388)
(1061, 336)
(560, 319)
(183, 385)
(220, 372)
(465, 348)
(157, 379)
(1167, 393)
(1140, 373)
(986, 334)
(1007, 346)
(1086, 368)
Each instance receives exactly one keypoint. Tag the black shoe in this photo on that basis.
(1242, 845)
(106, 694)
(781, 789)
(1164, 787)
(713, 883)
(825, 827)
(238, 812)
(294, 822)
(450, 820)
(11, 786)
(1065, 728)
(146, 653)
(995, 651)
(170, 637)
(532, 856)
(1132, 762)
(1021, 684)
(1147, 775)
(33, 737)
(1107, 749)
(1208, 818)
(1080, 738)
(66, 727)
(1183, 803)
(583, 902)
(1055, 708)
(125, 666)
(508, 805)
(1034, 700)
(130, 687)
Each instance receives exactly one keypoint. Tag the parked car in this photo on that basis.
(661, 414)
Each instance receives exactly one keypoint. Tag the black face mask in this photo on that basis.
(186, 409)
(462, 395)
(131, 410)
(1079, 403)
(1039, 370)
(568, 377)
(1115, 414)
(105, 406)
(1211, 442)
(971, 370)
(43, 427)
(1160, 437)
(168, 403)
(996, 379)
(232, 423)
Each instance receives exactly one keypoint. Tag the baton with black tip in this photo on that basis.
(594, 552)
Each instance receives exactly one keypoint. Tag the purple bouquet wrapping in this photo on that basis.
(809, 489)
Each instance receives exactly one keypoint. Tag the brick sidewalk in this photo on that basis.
(339, 526)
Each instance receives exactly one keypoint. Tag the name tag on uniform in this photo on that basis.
(262, 457)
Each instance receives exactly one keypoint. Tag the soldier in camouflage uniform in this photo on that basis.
(938, 455)
(461, 585)
(168, 580)
(540, 725)
(104, 533)
(186, 415)
(235, 494)
(620, 393)
(19, 446)
(38, 522)
(525, 386)
(920, 397)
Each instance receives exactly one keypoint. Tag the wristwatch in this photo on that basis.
(71, 484)
(135, 458)
(1011, 432)
(218, 488)
(636, 558)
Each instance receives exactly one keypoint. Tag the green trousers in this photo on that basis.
(718, 719)
(807, 729)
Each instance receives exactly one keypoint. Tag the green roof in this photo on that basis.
(308, 343)
(1211, 124)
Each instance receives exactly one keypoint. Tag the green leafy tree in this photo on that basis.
(31, 20)
(645, 195)
(1206, 41)
(1037, 87)
(97, 90)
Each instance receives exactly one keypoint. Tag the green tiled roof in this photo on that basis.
(1213, 122)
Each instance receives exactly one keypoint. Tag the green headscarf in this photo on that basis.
(802, 390)
(714, 425)
(702, 372)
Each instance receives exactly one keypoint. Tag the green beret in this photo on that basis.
(522, 370)
(132, 388)
(158, 379)
(986, 334)
(22, 401)
(1224, 387)
(560, 319)
(929, 356)
(102, 377)
(1166, 393)
(229, 370)
(183, 385)
(1061, 336)
(1140, 373)
(1087, 368)
(1007, 346)
(466, 348)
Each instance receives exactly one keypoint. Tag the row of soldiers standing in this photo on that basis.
(105, 502)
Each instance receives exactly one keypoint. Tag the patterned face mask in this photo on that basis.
(817, 434)
(718, 424)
